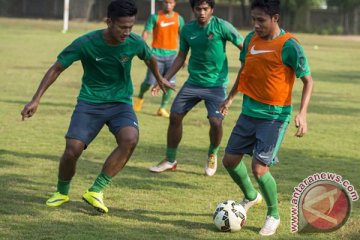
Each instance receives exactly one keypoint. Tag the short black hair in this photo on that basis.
(194, 3)
(121, 8)
(270, 7)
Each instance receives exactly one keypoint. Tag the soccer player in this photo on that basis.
(165, 25)
(271, 59)
(206, 36)
(105, 98)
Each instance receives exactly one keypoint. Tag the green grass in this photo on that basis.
(173, 205)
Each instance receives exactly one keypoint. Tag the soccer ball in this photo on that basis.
(229, 216)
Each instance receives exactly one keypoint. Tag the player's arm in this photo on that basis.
(231, 34)
(294, 56)
(145, 35)
(161, 82)
(300, 119)
(224, 107)
(49, 78)
(177, 64)
(149, 26)
(240, 46)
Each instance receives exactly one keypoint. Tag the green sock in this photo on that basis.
(241, 177)
(100, 183)
(269, 191)
(213, 150)
(166, 98)
(143, 89)
(63, 186)
(171, 154)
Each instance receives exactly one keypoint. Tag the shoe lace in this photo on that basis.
(269, 222)
(211, 161)
(164, 162)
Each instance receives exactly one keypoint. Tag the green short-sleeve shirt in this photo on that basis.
(208, 66)
(106, 68)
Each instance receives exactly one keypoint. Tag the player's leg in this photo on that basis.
(145, 86)
(269, 135)
(167, 62)
(241, 141)
(124, 125)
(268, 189)
(82, 130)
(215, 135)
(185, 100)
(213, 98)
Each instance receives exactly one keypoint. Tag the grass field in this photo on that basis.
(172, 205)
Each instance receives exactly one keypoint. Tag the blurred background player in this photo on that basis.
(165, 26)
(271, 59)
(206, 37)
(105, 98)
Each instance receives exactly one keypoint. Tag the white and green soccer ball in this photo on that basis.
(229, 216)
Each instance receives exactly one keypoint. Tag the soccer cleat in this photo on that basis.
(211, 165)
(162, 113)
(270, 226)
(247, 204)
(138, 104)
(95, 199)
(164, 166)
(57, 199)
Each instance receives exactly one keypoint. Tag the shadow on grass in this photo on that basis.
(350, 77)
(44, 103)
(146, 216)
(296, 165)
(19, 154)
(18, 196)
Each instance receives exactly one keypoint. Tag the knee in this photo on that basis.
(227, 163)
(259, 169)
(175, 119)
(129, 141)
(231, 161)
(72, 152)
(215, 123)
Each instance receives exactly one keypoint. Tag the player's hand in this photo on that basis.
(29, 109)
(301, 125)
(164, 84)
(155, 90)
(224, 107)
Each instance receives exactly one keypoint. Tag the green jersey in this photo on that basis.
(292, 56)
(208, 66)
(106, 68)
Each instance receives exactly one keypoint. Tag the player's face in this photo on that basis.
(264, 24)
(168, 6)
(120, 28)
(203, 13)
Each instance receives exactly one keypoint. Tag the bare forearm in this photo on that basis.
(234, 90)
(49, 78)
(152, 65)
(145, 35)
(177, 64)
(306, 93)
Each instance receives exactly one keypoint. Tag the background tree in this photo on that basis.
(348, 9)
(296, 14)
